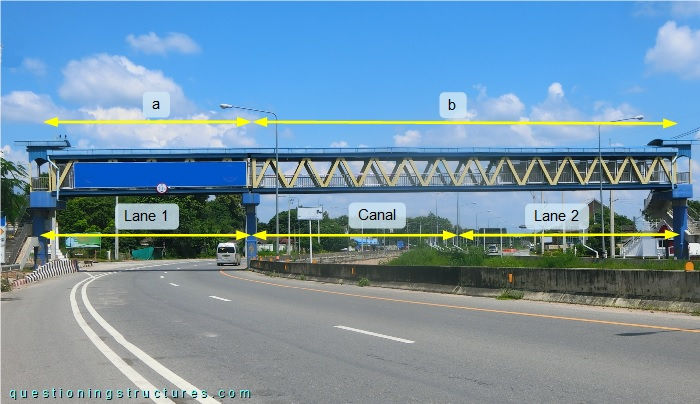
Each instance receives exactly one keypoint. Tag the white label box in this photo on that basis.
(556, 216)
(147, 216)
(377, 215)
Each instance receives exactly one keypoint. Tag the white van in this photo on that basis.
(226, 253)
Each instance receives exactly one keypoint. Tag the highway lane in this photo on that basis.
(239, 330)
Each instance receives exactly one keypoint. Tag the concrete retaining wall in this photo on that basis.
(629, 284)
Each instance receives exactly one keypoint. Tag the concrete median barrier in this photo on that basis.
(625, 288)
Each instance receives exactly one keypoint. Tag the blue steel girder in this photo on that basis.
(342, 170)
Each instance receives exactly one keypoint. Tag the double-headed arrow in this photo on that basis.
(238, 235)
(445, 235)
(664, 123)
(470, 235)
(264, 235)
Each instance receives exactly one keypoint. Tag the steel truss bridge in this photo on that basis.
(251, 172)
(334, 170)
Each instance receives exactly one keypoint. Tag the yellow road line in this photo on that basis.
(449, 306)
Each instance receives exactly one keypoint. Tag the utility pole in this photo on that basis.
(612, 226)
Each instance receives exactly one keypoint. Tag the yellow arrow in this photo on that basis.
(470, 234)
(665, 123)
(238, 121)
(264, 235)
(51, 235)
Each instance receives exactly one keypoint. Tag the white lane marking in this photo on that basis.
(127, 370)
(174, 284)
(219, 298)
(143, 356)
(161, 277)
(178, 268)
(374, 334)
(165, 272)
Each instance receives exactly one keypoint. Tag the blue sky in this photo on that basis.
(578, 61)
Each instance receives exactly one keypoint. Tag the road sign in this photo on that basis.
(315, 213)
(86, 241)
(147, 216)
(161, 188)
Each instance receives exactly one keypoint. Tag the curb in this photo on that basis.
(49, 270)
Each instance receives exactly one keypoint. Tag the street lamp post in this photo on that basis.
(277, 167)
(600, 175)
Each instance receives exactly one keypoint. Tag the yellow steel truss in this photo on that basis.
(613, 171)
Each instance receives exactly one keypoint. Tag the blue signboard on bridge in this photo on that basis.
(200, 174)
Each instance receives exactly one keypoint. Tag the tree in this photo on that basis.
(15, 190)
(198, 214)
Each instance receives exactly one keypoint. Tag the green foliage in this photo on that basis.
(5, 285)
(363, 282)
(198, 214)
(14, 188)
(622, 224)
(510, 294)
(474, 256)
(555, 259)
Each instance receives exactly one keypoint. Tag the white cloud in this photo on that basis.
(409, 138)
(685, 9)
(17, 156)
(635, 89)
(509, 107)
(34, 66)
(153, 44)
(607, 112)
(555, 91)
(677, 50)
(27, 106)
(341, 143)
(505, 106)
(159, 136)
(111, 80)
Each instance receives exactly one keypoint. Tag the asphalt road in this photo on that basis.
(187, 325)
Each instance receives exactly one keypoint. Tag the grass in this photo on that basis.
(510, 294)
(363, 282)
(475, 257)
(6, 286)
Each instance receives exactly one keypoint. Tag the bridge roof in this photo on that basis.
(360, 152)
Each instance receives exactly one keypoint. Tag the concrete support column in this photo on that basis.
(250, 201)
(680, 225)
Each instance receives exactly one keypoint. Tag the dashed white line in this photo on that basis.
(161, 277)
(374, 334)
(174, 284)
(220, 298)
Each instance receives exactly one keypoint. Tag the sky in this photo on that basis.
(361, 60)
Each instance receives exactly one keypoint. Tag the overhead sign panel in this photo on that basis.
(315, 213)
(197, 174)
(147, 216)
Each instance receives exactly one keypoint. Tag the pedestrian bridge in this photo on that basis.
(343, 170)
